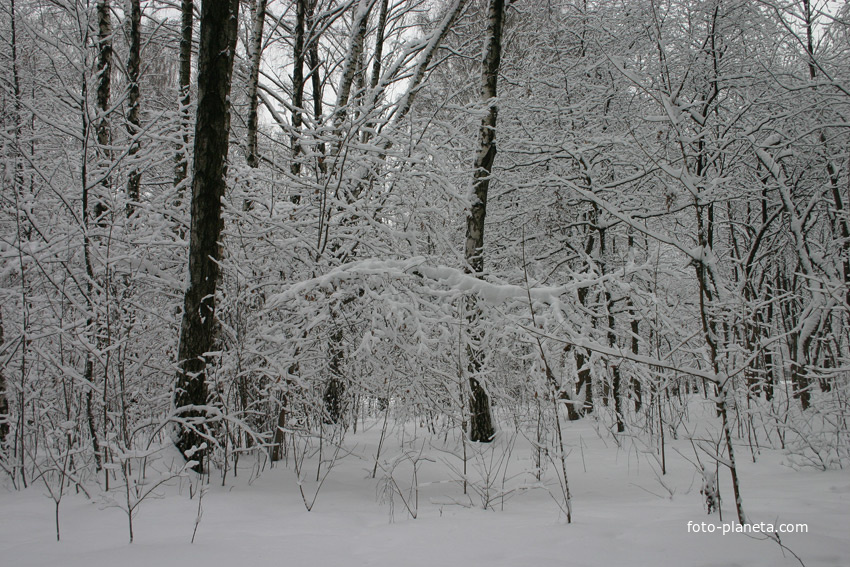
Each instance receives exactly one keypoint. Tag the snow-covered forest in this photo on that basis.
(536, 281)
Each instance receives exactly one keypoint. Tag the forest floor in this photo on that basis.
(624, 512)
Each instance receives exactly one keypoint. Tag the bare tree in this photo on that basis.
(133, 120)
(219, 22)
(185, 97)
(481, 427)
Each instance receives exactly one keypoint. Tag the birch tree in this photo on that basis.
(481, 426)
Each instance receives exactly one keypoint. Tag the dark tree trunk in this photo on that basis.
(256, 55)
(615, 366)
(481, 426)
(133, 96)
(636, 386)
(298, 57)
(377, 63)
(186, 31)
(104, 86)
(379, 45)
(334, 395)
(278, 448)
(198, 329)
(618, 399)
(584, 380)
(316, 83)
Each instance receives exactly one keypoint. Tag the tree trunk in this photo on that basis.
(104, 86)
(636, 385)
(316, 83)
(198, 329)
(481, 426)
(253, 156)
(359, 26)
(379, 45)
(181, 170)
(133, 95)
(612, 341)
(298, 57)
(334, 395)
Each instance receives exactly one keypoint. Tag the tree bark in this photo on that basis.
(104, 87)
(359, 26)
(637, 390)
(316, 83)
(298, 57)
(181, 170)
(198, 329)
(256, 54)
(133, 96)
(481, 427)
(253, 157)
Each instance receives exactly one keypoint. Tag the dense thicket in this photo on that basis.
(667, 216)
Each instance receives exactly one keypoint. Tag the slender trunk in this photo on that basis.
(612, 339)
(636, 385)
(298, 57)
(377, 62)
(5, 417)
(278, 448)
(316, 84)
(334, 395)
(88, 369)
(359, 27)
(133, 120)
(585, 378)
(219, 23)
(181, 170)
(253, 156)
(379, 45)
(721, 388)
(104, 86)
(481, 427)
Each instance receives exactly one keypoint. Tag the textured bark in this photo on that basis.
(481, 426)
(377, 62)
(585, 381)
(212, 129)
(256, 55)
(104, 87)
(636, 385)
(359, 27)
(316, 83)
(133, 102)
(618, 398)
(298, 57)
(379, 45)
(181, 170)
(253, 157)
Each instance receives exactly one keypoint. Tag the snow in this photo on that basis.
(624, 513)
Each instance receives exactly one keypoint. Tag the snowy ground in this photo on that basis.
(622, 514)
